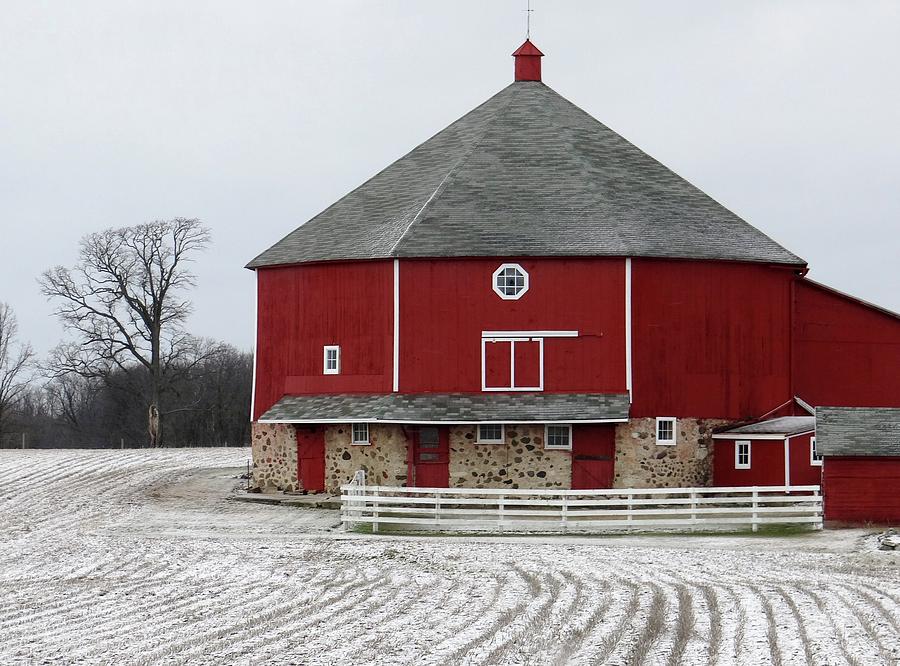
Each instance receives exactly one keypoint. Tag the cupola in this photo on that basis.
(528, 62)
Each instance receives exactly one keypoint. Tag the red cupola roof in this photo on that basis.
(528, 62)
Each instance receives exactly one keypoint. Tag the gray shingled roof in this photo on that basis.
(786, 425)
(449, 408)
(858, 431)
(527, 173)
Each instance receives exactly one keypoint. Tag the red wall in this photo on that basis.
(862, 489)
(846, 354)
(766, 464)
(803, 473)
(445, 305)
(302, 308)
(710, 339)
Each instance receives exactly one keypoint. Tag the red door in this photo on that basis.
(430, 459)
(593, 456)
(311, 458)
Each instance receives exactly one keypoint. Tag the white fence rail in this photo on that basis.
(469, 509)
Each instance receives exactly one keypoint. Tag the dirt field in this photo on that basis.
(137, 557)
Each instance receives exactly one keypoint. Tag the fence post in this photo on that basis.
(630, 516)
(375, 510)
(23, 440)
(693, 509)
(437, 508)
(820, 510)
(755, 506)
(500, 512)
(565, 513)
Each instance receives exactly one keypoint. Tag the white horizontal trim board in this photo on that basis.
(500, 509)
(505, 335)
(779, 438)
(451, 422)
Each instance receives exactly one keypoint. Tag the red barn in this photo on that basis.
(528, 300)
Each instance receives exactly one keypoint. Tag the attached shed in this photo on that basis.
(861, 479)
(776, 452)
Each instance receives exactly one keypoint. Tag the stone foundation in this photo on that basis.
(274, 448)
(520, 462)
(384, 459)
(642, 463)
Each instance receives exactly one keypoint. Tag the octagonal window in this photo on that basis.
(510, 281)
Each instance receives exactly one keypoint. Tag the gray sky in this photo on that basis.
(254, 116)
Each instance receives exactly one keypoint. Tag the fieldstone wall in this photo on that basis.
(520, 462)
(384, 459)
(642, 463)
(274, 448)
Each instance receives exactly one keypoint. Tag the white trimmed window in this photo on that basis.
(665, 430)
(558, 437)
(332, 359)
(814, 457)
(742, 454)
(490, 433)
(510, 281)
(360, 434)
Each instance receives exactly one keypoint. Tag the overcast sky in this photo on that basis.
(254, 116)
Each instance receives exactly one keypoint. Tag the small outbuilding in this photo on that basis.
(775, 452)
(861, 448)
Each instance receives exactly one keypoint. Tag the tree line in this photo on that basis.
(127, 373)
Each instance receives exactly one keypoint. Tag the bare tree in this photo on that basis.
(125, 301)
(15, 358)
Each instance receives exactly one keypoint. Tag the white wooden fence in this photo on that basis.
(469, 509)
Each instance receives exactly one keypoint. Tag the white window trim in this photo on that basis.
(325, 369)
(512, 364)
(510, 297)
(666, 442)
(547, 436)
(479, 440)
(737, 448)
(356, 442)
(812, 459)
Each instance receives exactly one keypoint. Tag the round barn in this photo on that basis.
(528, 300)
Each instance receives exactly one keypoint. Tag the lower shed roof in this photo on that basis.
(785, 426)
(858, 431)
(450, 408)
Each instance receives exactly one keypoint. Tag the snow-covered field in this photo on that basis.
(138, 557)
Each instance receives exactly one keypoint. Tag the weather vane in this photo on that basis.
(528, 13)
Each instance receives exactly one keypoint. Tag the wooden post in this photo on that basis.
(630, 516)
(375, 510)
(500, 512)
(755, 506)
(565, 513)
(693, 509)
(23, 440)
(437, 508)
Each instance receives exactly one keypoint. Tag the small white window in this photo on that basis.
(332, 360)
(558, 437)
(360, 434)
(742, 454)
(814, 457)
(490, 433)
(510, 281)
(665, 430)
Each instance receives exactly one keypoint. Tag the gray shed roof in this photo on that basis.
(527, 173)
(784, 426)
(858, 431)
(449, 408)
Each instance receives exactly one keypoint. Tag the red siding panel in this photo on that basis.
(766, 464)
(446, 304)
(303, 308)
(862, 489)
(593, 456)
(710, 339)
(803, 472)
(846, 353)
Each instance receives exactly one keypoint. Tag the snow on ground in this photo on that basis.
(139, 557)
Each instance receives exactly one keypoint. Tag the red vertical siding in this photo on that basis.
(446, 304)
(710, 339)
(303, 308)
(766, 464)
(593, 456)
(862, 489)
(803, 472)
(846, 353)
